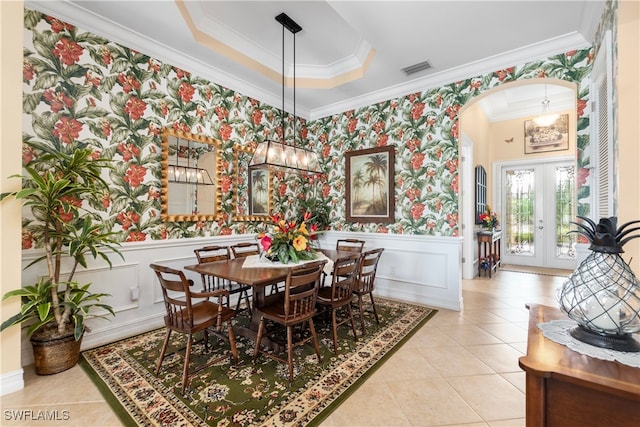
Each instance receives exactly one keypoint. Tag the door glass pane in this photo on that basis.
(519, 221)
(565, 211)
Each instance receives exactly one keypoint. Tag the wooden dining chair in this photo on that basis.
(211, 283)
(365, 281)
(340, 294)
(350, 245)
(188, 317)
(244, 249)
(296, 307)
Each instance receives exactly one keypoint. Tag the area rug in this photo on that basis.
(247, 393)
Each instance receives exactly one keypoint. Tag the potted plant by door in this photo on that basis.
(59, 188)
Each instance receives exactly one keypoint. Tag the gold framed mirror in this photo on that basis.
(254, 188)
(190, 180)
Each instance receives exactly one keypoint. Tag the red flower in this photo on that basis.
(282, 189)
(181, 73)
(452, 165)
(153, 65)
(135, 108)
(256, 117)
(27, 71)
(186, 91)
(68, 51)
(326, 190)
(382, 140)
(222, 113)
(225, 184)
(127, 219)
(67, 129)
(27, 240)
(57, 100)
(135, 175)
(452, 111)
(583, 174)
(582, 104)
(128, 82)
(136, 236)
(27, 155)
(417, 160)
(90, 79)
(105, 53)
(57, 25)
(412, 194)
(106, 200)
(417, 110)
(454, 184)
(326, 150)
(67, 209)
(265, 242)
(417, 210)
(378, 127)
(128, 151)
(225, 132)
(353, 123)
(105, 125)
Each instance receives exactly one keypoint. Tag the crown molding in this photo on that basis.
(528, 53)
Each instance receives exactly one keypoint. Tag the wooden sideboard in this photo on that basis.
(489, 249)
(565, 388)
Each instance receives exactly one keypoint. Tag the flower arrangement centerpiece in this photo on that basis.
(289, 241)
(489, 219)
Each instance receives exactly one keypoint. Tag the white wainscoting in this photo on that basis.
(421, 269)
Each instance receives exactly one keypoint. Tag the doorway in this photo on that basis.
(537, 204)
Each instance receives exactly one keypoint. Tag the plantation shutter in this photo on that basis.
(602, 134)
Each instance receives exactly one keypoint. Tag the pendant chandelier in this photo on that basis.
(278, 155)
(187, 174)
(546, 118)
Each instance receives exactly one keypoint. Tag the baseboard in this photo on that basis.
(11, 381)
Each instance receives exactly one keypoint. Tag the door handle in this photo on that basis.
(540, 227)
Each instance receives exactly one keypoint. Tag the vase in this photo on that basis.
(603, 296)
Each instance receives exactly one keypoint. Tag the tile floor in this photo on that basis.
(460, 369)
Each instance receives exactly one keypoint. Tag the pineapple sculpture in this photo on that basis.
(603, 295)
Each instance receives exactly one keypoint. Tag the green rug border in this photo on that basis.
(123, 415)
(115, 405)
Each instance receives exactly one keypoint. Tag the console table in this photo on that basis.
(565, 388)
(489, 249)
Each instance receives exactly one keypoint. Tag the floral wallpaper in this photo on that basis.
(83, 90)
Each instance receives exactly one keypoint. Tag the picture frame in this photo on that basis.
(259, 192)
(541, 139)
(370, 185)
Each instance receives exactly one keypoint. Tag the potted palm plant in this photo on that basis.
(59, 188)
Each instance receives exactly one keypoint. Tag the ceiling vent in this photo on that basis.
(416, 68)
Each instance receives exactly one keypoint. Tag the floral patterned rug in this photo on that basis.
(246, 394)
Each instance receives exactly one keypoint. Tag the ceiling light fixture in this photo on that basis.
(546, 118)
(188, 174)
(278, 155)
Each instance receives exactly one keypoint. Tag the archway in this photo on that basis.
(483, 142)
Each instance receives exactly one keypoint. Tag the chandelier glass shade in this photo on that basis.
(278, 155)
(187, 174)
(546, 118)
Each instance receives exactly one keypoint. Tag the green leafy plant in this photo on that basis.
(57, 188)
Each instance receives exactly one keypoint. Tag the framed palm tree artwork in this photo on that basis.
(370, 185)
(259, 192)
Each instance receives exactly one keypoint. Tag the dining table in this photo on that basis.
(259, 274)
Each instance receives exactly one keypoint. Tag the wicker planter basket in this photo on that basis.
(53, 355)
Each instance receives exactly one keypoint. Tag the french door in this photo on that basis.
(537, 203)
